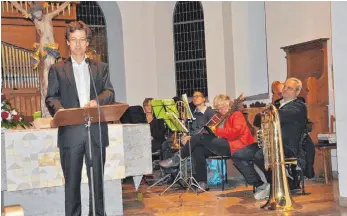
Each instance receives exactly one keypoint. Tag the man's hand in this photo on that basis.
(91, 104)
(185, 139)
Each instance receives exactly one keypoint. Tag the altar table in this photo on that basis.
(31, 174)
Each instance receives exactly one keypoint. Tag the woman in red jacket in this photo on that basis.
(240, 135)
(234, 138)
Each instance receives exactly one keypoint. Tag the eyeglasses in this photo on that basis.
(76, 40)
(196, 96)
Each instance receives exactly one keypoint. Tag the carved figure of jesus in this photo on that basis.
(44, 27)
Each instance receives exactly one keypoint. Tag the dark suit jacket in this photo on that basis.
(293, 117)
(62, 93)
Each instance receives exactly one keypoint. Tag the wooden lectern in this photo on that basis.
(77, 116)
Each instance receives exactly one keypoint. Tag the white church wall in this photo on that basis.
(139, 50)
(115, 48)
(215, 46)
(235, 48)
(290, 23)
(339, 52)
(164, 44)
(249, 42)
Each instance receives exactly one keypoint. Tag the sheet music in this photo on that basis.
(186, 104)
(178, 124)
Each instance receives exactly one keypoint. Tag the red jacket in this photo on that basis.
(236, 131)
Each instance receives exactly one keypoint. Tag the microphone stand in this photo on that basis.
(101, 146)
(89, 120)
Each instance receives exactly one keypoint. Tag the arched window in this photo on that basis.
(91, 14)
(190, 55)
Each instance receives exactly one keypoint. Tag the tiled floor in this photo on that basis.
(322, 200)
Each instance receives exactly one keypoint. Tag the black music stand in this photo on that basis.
(167, 110)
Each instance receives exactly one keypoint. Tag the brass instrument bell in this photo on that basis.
(272, 145)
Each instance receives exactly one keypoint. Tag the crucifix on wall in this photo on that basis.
(47, 49)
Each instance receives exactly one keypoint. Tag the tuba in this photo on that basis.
(217, 118)
(270, 140)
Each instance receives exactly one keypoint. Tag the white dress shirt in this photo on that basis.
(82, 79)
(202, 110)
(282, 103)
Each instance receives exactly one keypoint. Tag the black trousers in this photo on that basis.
(72, 161)
(243, 161)
(259, 161)
(202, 147)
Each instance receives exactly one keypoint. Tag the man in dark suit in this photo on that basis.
(293, 117)
(70, 85)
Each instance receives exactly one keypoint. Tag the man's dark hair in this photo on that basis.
(78, 25)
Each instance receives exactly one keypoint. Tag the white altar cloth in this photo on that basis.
(31, 169)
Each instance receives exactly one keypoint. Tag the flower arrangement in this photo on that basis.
(10, 117)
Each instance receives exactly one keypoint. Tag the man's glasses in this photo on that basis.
(197, 96)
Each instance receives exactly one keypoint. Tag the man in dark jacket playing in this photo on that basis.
(293, 117)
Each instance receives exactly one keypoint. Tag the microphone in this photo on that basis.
(87, 60)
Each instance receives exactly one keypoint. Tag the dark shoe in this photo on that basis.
(171, 162)
(294, 187)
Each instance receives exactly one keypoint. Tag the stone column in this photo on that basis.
(339, 53)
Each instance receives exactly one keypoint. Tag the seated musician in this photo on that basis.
(277, 89)
(233, 138)
(157, 126)
(202, 115)
(293, 117)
